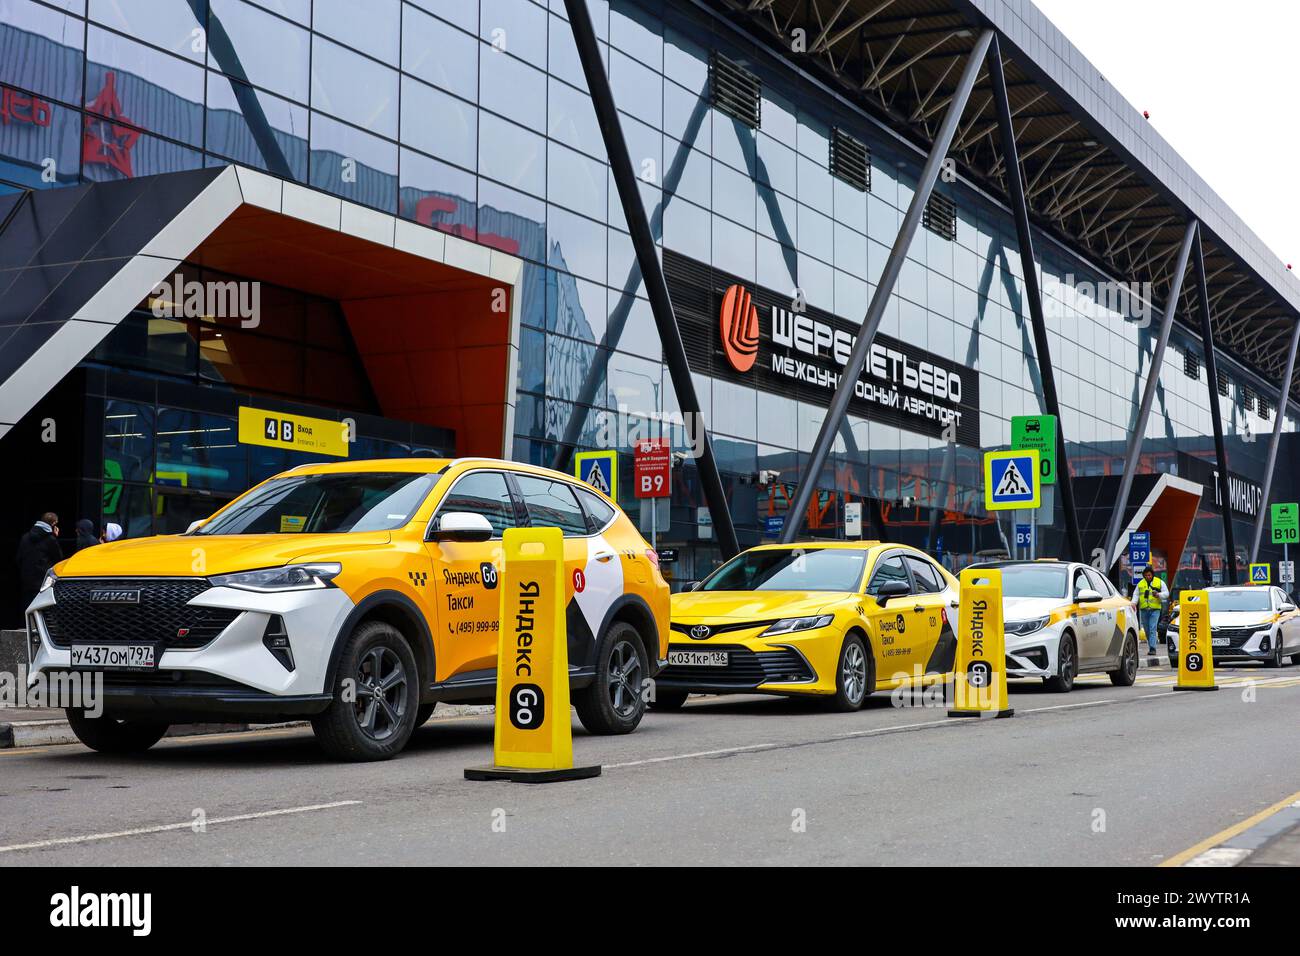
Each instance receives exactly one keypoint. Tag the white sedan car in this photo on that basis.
(1063, 619)
(1248, 623)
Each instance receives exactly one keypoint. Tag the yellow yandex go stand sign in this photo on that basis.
(980, 674)
(534, 735)
(1195, 653)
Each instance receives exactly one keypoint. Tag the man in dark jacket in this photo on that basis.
(86, 537)
(38, 551)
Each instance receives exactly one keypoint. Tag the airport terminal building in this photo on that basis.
(217, 216)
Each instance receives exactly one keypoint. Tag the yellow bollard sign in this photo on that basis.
(980, 674)
(533, 742)
(1195, 652)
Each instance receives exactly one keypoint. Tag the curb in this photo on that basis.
(44, 733)
(1252, 846)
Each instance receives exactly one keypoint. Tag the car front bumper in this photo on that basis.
(1260, 646)
(801, 663)
(234, 674)
(1033, 655)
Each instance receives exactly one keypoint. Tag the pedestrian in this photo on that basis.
(38, 551)
(1151, 593)
(86, 537)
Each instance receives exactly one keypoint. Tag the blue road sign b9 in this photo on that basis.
(1024, 535)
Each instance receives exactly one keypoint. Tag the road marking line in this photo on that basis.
(164, 828)
(1223, 836)
(773, 746)
(1167, 693)
(1084, 703)
(22, 751)
(699, 753)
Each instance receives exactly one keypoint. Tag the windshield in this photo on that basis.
(1243, 600)
(325, 504)
(797, 569)
(1034, 581)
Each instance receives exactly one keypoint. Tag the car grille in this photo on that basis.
(1236, 636)
(720, 628)
(162, 613)
(745, 668)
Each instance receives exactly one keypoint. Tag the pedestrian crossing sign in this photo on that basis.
(1011, 479)
(1259, 574)
(600, 470)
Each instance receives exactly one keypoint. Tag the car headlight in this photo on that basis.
(792, 625)
(50, 578)
(1026, 627)
(291, 577)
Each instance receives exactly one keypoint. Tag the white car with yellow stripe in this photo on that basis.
(1249, 623)
(1063, 619)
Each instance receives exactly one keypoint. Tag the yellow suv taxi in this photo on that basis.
(355, 594)
(835, 620)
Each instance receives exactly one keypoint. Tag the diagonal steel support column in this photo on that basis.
(1025, 239)
(647, 256)
(1280, 413)
(798, 510)
(1216, 416)
(1148, 399)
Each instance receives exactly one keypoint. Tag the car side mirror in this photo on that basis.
(892, 589)
(1287, 608)
(195, 525)
(461, 526)
(1089, 596)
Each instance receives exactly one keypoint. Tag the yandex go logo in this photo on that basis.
(738, 321)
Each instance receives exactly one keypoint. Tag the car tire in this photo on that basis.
(1278, 658)
(854, 675)
(668, 699)
(112, 735)
(423, 714)
(1295, 658)
(613, 703)
(1067, 666)
(374, 722)
(1126, 674)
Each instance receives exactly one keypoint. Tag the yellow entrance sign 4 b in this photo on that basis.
(980, 674)
(533, 742)
(1195, 652)
(258, 426)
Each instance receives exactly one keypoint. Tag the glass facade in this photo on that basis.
(472, 117)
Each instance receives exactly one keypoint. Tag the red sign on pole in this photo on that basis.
(652, 468)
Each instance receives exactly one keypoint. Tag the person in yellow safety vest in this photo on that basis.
(1151, 593)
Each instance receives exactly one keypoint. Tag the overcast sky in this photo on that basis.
(1219, 80)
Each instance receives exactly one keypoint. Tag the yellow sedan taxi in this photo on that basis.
(834, 620)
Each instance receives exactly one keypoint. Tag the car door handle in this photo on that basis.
(604, 557)
(954, 605)
(919, 608)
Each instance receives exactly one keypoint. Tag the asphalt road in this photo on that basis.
(1104, 775)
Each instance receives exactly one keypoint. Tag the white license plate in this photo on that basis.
(698, 658)
(1220, 642)
(113, 656)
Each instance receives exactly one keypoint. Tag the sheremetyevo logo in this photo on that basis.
(75, 909)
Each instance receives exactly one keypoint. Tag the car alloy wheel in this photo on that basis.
(624, 679)
(381, 693)
(853, 672)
